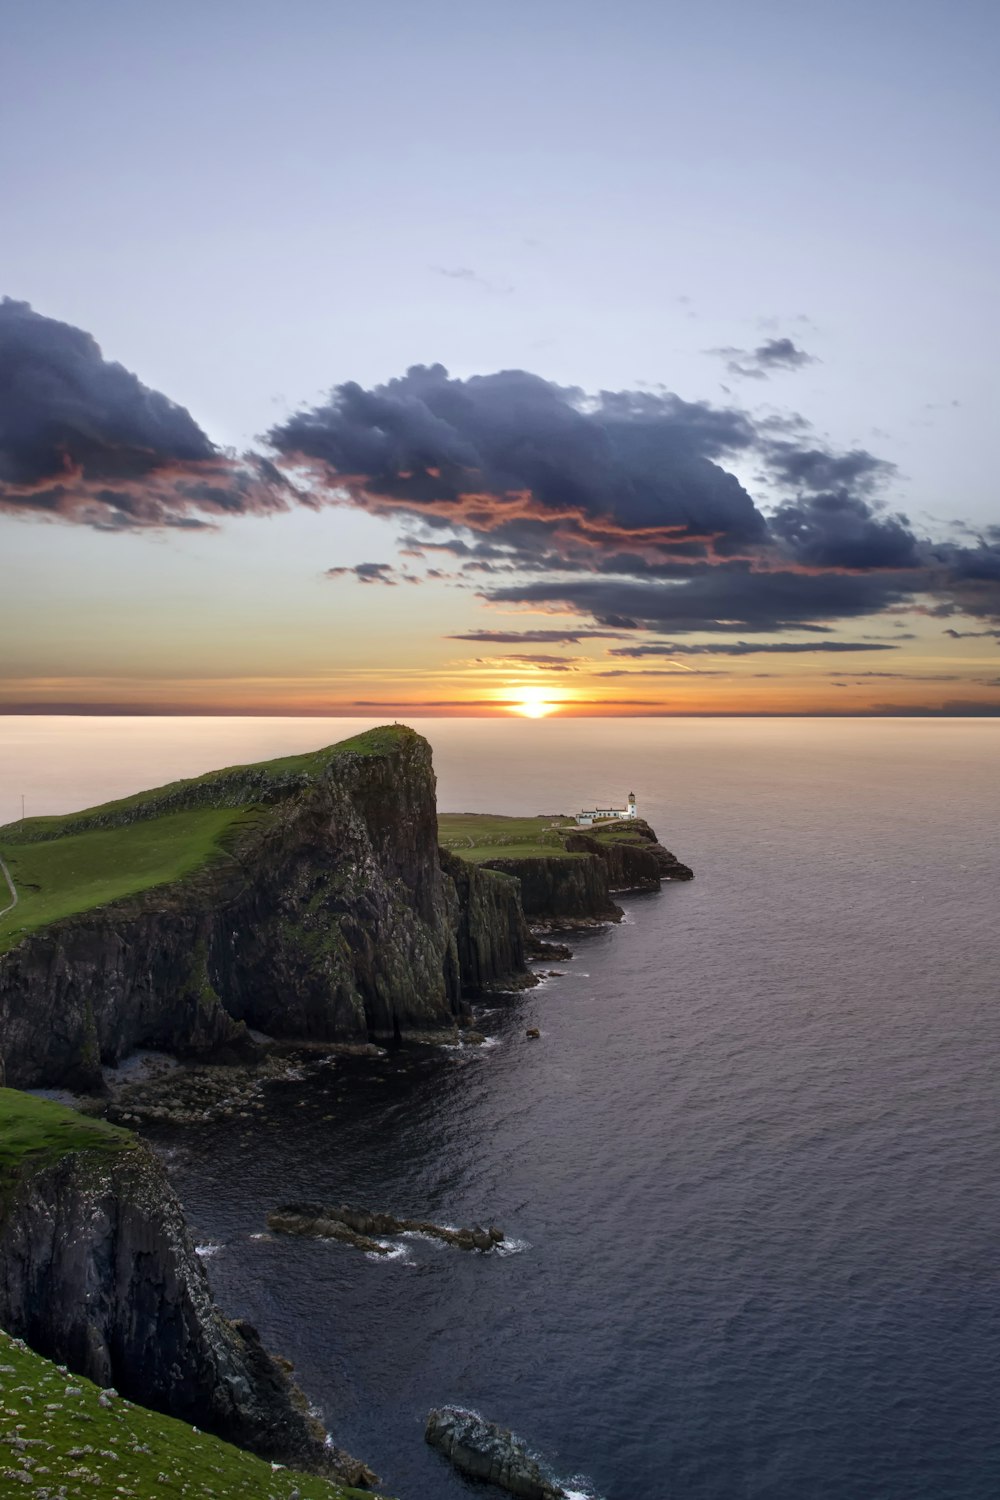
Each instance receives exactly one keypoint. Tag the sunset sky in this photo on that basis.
(552, 357)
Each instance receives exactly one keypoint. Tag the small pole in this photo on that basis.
(22, 807)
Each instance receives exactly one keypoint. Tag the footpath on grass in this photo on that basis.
(12, 888)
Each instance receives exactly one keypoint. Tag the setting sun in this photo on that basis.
(533, 703)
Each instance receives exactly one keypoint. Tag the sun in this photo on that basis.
(533, 703)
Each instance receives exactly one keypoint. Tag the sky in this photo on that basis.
(552, 357)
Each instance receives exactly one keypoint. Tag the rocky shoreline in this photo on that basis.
(336, 929)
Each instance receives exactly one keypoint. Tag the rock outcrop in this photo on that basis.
(98, 1272)
(359, 1226)
(560, 891)
(487, 1451)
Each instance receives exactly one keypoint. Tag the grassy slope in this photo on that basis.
(61, 866)
(62, 1431)
(36, 1131)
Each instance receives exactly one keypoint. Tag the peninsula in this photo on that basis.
(313, 899)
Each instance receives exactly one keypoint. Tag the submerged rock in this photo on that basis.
(487, 1451)
(358, 1226)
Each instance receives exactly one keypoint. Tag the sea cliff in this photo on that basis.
(98, 1271)
(621, 857)
(325, 914)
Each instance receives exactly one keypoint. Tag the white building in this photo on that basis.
(600, 814)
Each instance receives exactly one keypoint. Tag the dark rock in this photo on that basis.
(487, 1451)
(491, 934)
(358, 1226)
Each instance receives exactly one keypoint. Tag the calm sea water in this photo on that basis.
(750, 1169)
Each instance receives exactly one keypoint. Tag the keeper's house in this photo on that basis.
(591, 815)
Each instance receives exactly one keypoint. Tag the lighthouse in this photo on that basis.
(632, 813)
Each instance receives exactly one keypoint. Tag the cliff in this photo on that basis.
(97, 1271)
(320, 910)
(491, 935)
(577, 883)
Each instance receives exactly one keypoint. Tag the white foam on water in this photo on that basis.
(395, 1252)
(511, 1247)
(485, 1046)
(210, 1249)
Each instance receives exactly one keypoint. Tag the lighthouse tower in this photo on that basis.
(632, 812)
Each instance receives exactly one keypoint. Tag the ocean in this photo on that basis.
(749, 1172)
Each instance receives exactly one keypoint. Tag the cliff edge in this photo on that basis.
(304, 898)
(98, 1271)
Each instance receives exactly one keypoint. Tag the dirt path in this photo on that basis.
(13, 889)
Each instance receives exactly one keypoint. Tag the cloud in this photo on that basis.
(523, 462)
(524, 659)
(82, 439)
(725, 599)
(757, 364)
(838, 529)
(965, 635)
(953, 708)
(371, 572)
(618, 505)
(745, 648)
(537, 637)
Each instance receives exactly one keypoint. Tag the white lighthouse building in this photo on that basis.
(591, 815)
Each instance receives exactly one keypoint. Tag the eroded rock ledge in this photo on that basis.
(487, 1451)
(359, 1226)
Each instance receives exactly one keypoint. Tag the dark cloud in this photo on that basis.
(370, 572)
(495, 453)
(82, 439)
(952, 708)
(757, 364)
(618, 505)
(745, 648)
(726, 599)
(837, 529)
(536, 637)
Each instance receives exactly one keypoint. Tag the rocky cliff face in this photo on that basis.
(332, 920)
(490, 931)
(628, 857)
(97, 1271)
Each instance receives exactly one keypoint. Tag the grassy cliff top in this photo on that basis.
(65, 865)
(64, 1435)
(34, 1132)
(479, 836)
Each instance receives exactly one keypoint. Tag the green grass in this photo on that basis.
(479, 836)
(78, 861)
(63, 876)
(34, 1132)
(54, 1427)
